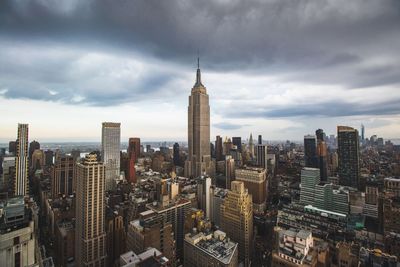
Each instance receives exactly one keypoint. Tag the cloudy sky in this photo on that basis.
(279, 68)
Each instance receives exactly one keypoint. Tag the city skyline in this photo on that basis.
(316, 70)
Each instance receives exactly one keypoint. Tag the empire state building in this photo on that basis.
(199, 161)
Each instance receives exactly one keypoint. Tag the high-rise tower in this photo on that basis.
(237, 219)
(21, 186)
(251, 146)
(310, 151)
(63, 176)
(90, 236)
(110, 151)
(349, 156)
(199, 161)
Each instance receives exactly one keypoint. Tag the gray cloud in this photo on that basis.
(229, 126)
(316, 42)
(332, 108)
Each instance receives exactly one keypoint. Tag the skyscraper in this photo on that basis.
(199, 161)
(90, 213)
(229, 171)
(110, 147)
(218, 148)
(262, 156)
(237, 141)
(12, 147)
(251, 146)
(32, 147)
(309, 179)
(310, 151)
(255, 181)
(21, 186)
(362, 133)
(63, 181)
(133, 152)
(203, 195)
(176, 157)
(151, 230)
(134, 146)
(348, 155)
(322, 154)
(260, 139)
(237, 219)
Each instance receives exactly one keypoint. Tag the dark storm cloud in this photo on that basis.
(321, 42)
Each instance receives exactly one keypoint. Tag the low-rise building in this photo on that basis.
(295, 249)
(151, 257)
(210, 249)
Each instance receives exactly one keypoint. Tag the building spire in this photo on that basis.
(198, 74)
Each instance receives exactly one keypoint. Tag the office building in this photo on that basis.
(332, 198)
(150, 230)
(134, 147)
(237, 141)
(260, 141)
(372, 199)
(32, 147)
(12, 147)
(21, 183)
(64, 243)
(217, 198)
(63, 177)
(322, 195)
(176, 155)
(322, 223)
(362, 133)
(255, 181)
(227, 146)
(204, 195)
(37, 160)
(131, 169)
(8, 174)
(17, 234)
(310, 151)
(229, 171)
(237, 219)
(90, 235)
(348, 156)
(199, 161)
(218, 148)
(210, 249)
(174, 212)
(48, 157)
(262, 156)
(322, 154)
(251, 146)
(116, 236)
(110, 147)
(309, 179)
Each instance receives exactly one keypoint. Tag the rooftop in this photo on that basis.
(14, 215)
(214, 244)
